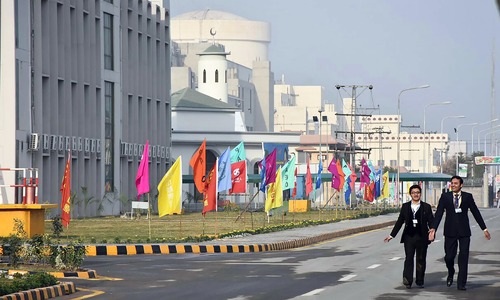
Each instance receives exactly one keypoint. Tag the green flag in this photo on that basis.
(238, 153)
(288, 174)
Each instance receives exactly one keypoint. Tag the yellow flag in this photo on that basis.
(274, 193)
(385, 185)
(170, 190)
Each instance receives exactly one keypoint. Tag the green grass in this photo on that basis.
(176, 228)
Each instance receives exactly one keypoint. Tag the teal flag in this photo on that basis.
(288, 174)
(347, 171)
(238, 153)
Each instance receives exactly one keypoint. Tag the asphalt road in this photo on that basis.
(359, 266)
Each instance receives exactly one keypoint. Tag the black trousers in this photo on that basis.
(415, 245)
(451, 245)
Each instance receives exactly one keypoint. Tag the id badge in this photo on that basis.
(458, 210)
(415, 222)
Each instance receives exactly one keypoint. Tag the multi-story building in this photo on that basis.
(86, 77)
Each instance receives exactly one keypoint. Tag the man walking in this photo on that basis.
(457, 229)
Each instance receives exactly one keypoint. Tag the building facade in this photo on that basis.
(90, 78)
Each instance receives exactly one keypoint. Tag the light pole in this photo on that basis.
(320, 111)
(442, 148)
(457, 131)
(488, 133)
(399, 131)
(472, 138)
(424, 160)
(479, 134)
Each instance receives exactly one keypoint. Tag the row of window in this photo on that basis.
(216, 76)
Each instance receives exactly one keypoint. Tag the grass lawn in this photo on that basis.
(174, 228)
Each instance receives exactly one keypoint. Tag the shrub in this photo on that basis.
(57, 227)
(25, 282)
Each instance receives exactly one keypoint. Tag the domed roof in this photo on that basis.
(208, 14)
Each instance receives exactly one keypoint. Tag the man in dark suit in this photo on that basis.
(456, 229)
(417, 218)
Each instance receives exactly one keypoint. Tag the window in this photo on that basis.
(407, 163)
(108, 42)
(109, 100)
(380, 162)
(216, 75)
(393, 163)
(204, 76)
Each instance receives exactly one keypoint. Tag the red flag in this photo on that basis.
(309, 181)
(142, 176)
(294, 193)
(209, 198)
(239, 177)
(198, 163)
(66, 194)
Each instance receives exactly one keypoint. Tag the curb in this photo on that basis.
(115, 250)
(64, 288)
(78, 274)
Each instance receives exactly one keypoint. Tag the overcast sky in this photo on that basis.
(390, 44)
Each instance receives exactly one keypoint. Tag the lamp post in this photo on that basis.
(424, 160)
(320, 111)
(399, 131)
(457, 131)
(442, 148)
(472, 138)
(479, 134)
(488, 133)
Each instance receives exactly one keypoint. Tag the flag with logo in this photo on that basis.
(294, 192)
(268, 165)
(365, 173)
(239, 177)
(170, 190)
(224, 171)
(238, 153)
(198, 163)
(332, 168)
(210, 195)
(320, 170)
(274, 197)
(288, 174)
(378, 184)
(369, 192)
(66, 194)
(142, 176)
(341, 173)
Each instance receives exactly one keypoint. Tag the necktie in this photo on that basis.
(456, 200)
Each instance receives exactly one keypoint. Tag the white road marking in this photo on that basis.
(374, 266)
(347, 277)
(395, 258)
(313, 292)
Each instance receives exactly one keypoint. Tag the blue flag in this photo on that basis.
(224, 171)
(320, 170)
(378, 183)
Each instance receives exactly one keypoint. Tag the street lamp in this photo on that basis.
(320, 120)
(457, 131)
(429, 141)
(479, 134)
(442, 148)
(472, 138)
(399, 131)
(488, 133)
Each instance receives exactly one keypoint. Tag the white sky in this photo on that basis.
(390, 44)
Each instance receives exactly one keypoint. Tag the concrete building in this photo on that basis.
(89, 77)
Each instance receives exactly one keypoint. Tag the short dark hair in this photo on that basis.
(415, 186)
(459, 179)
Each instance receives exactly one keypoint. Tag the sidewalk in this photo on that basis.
(280, 240)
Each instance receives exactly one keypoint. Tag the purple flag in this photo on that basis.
(365, 173)
(332, 168)
(269, 169)
(142, 176)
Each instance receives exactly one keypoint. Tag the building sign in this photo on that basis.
(487, 160)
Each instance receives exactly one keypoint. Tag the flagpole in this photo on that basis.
(149, 217)
(246, 206)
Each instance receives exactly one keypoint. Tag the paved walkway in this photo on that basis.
(280, 240)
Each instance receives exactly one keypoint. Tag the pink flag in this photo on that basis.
(365, 173)
(271, 167)
(142, 177)
(332, 168)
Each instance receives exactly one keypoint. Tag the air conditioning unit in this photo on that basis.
(34, 142)
(141, 150)
(136, 150)
(87, 145)
(162, 152)
(98, 146)
(92, 146)
(153, 151)
(61, 142)
(123, 149)
(74, 144)
(80, 144)
(167, 153)
(46, 142)
(54, 142)
(68, 143)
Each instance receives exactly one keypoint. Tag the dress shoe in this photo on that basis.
(449, 280)
(461, 288)
(420, 285)
(406, 283)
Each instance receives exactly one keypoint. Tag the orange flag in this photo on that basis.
(209, 198)
(198, 163)
(66, 194)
